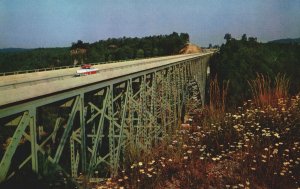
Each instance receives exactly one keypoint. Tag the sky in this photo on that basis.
(58, 23)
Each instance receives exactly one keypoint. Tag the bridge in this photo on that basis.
(87, 125)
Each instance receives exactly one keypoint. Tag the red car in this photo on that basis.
(86, 69)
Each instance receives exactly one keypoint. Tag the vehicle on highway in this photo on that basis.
(86, 69)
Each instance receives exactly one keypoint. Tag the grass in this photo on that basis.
(266, 92)
(217, 95)
(257, 146)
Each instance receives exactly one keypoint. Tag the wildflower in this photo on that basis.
(170, 160)
(120, 180)
(275, 151)
(189, 151)
(150, 163)
(247, 183)
(185, 157)
(241, 185)
(140, 163)
(276, 135)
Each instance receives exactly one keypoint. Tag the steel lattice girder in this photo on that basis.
(101, 121)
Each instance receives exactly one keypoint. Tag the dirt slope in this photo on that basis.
(190, 48)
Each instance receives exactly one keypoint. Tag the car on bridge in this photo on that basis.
(86, 69)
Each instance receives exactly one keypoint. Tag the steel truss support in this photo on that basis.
(92, 132)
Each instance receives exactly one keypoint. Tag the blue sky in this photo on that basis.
(58, 23)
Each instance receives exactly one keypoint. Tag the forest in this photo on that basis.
(112, 49)
(240, 60)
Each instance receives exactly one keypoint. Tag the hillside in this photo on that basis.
(286, 41)
(241, 60)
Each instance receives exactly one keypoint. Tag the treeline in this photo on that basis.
(240, 60)
(131, 48)
(111, 49)
(34, 59)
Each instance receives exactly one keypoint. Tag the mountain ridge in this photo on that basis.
(286, 41)
(5, 50)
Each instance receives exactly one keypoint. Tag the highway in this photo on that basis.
(20, 87)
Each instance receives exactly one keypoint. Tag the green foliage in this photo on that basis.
(79, 45)
(240, 60)
(140, 53)
(227, 36)
(34, 59)
(111, 49)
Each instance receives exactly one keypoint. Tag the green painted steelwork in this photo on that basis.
(89, 130)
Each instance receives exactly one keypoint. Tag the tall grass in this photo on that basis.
(217, 95)
(267, 92)
(281, 87)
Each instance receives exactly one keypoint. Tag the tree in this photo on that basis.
(253, 39)
(227, 37)
(155, 52)
(140, 53)
(244, 37)
(79, 45)
(185, 38)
